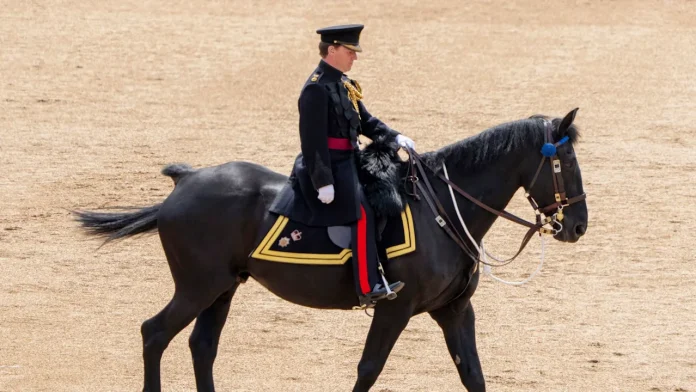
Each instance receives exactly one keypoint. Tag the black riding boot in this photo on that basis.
(369, 275)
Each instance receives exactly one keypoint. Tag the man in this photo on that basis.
(323, 189)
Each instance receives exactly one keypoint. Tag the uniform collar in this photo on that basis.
(330, 72)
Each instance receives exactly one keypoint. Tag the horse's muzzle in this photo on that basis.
(571, 231)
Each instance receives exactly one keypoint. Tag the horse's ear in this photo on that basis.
(567, 122)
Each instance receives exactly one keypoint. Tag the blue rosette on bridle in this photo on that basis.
(549, 149)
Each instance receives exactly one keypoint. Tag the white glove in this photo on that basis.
(405, 141)
(326, 194)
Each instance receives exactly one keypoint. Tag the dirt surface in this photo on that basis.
(96, 96)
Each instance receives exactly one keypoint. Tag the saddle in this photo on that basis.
(380, 172)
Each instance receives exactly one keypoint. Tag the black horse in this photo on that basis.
(213, 218)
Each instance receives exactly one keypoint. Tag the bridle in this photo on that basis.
(550, 151)
(543, 216)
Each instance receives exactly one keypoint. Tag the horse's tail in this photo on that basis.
(177, 171)
(115, 225)
(133, 221)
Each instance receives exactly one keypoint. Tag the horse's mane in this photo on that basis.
(488, 146)
(382, 171)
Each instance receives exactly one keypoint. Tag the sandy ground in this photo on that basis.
(96, 96)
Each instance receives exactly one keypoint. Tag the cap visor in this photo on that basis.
(356, 48)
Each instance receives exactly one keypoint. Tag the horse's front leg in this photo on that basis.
(457, 322)
(390, 320)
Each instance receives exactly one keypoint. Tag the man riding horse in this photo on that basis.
(323, 189)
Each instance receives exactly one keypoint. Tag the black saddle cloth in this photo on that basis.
(292, 242)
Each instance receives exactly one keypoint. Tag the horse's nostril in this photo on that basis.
(580, 229)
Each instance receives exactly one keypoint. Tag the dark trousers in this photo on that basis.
(364, 244)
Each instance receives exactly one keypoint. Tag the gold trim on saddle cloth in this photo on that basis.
(264, 252)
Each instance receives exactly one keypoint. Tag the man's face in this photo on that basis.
(341, 58)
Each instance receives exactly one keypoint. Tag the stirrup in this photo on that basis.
(391, 292)
(391, 295)
(380, 292)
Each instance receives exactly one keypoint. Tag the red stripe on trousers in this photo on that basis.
(362, 252)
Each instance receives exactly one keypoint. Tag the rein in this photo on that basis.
(549, 151)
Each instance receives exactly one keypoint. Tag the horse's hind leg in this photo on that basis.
(205, 338)
(158, 331)
(187, 304)
(388, 323)
(457, 323)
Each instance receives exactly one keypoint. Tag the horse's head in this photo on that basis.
(557, 184)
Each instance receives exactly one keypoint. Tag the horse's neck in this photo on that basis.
(494, 186)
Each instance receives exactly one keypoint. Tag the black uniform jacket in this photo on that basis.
(326, 111)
